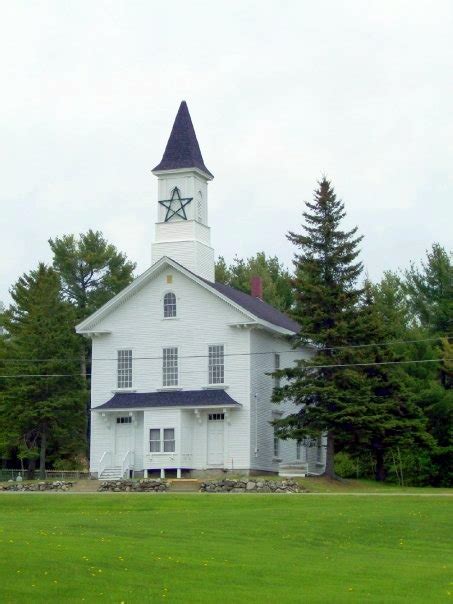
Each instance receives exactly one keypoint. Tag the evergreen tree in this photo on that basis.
(425, 383)
(276, 278)
(92, 271)
(430, 290)
(38, 414)
(331, 398)
(391, 420)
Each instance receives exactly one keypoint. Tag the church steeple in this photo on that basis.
(182, 230)
(182, 150)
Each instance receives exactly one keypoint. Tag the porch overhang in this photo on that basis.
(182, 399)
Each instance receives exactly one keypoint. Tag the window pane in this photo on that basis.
(169, 305)
(154, 440)
(276, 367)
(169, 440)
(170, 367)
(169, 446)
(124, 369)
(216, 364)
(154, 446)
(276, 444)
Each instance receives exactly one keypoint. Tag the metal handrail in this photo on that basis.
(127, 463)
(103, 463)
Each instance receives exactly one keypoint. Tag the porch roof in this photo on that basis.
(173, 398)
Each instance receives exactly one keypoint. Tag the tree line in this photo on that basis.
(378, 383)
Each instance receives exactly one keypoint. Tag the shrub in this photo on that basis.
(345, 465)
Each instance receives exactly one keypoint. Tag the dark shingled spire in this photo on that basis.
(182, 150)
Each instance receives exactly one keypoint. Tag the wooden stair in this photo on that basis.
(293, 470)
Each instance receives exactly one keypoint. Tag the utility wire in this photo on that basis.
(227, 354)
(55, 375)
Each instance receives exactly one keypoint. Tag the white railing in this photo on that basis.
(127, 463)
(104, 463)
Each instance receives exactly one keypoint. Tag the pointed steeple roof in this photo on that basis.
(182, 150)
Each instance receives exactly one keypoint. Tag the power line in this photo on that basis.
(227, 354)
(57, 375)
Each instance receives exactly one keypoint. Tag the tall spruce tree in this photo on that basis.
(42, 405)
(391, 421)
(430, 290)
(330, 398)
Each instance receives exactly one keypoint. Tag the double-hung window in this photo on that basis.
(124, 369)
(276, 443)
(298, 450)
(169, 305)
(216, 364)
(276, 368)
(162, 440)
(319, 449)
(169, 440)
(170, 367)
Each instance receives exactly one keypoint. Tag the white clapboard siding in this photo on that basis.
(202, 319)
(263, 347)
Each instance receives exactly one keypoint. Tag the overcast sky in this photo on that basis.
(280, 93)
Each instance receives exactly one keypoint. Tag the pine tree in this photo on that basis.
(430, 290)
(276, 278)
(91, 271)
(391, 421)
(41, 413)
(331, 398)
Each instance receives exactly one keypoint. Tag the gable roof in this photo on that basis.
(182, 150)
(176, 398)
(255, 309)
(255, 306)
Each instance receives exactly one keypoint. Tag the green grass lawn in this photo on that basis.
(224, 548)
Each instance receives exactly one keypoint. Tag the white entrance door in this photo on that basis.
(123, 438)
(215, 439)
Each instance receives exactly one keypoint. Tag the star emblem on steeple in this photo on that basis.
(176, 205)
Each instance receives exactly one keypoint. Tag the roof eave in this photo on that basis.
(138, 408)
(205, 173)
(88, 325)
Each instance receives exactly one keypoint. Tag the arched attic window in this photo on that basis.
(169, 305)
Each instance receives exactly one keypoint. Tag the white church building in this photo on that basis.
(180, 373)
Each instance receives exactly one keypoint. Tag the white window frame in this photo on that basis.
(173, 305)
(276, 444)
(167, 367)
(298, 450)
(214, 380)
(162, 441)
(166, 440)
(277, 360)
(216, 417)
(319, 447)
(123, 380)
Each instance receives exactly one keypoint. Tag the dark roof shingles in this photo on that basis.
(182, 150)
(256, 306)
(176, 398)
